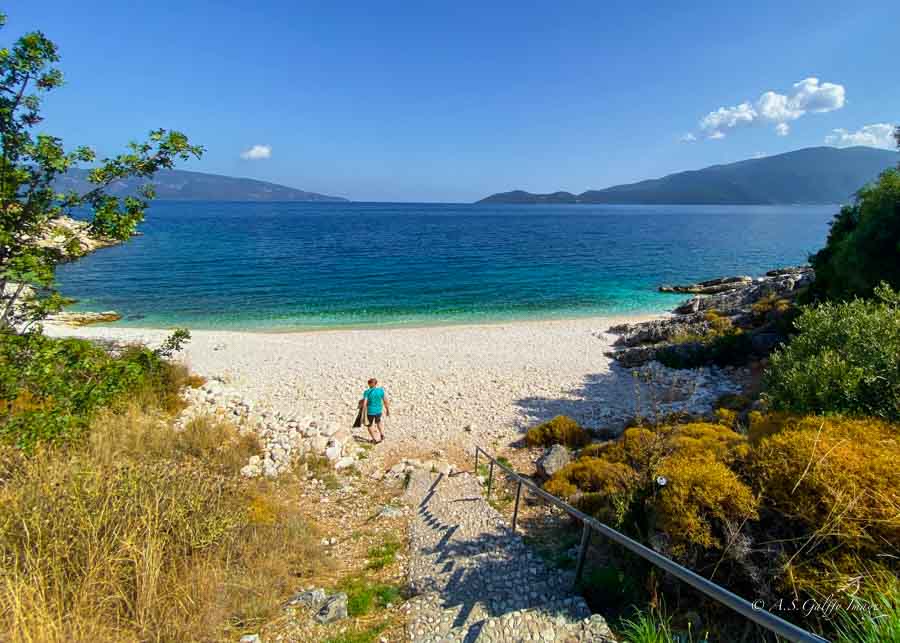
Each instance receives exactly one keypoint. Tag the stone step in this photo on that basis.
(476, 580)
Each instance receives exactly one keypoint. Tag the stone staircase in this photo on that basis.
(475, 580)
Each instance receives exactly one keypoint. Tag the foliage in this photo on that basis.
(701, 493)
(383, 555)
(51, 388)
(364, 594)
(647, 627)
(845, 359)
(560, 430)
(29, 165)
(139, 534)
(863, 245)
(674, 479)
(603, 489)
(608, 587)
(834, 478)
(723, 344)
(871, 618)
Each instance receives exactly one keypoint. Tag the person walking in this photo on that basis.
(374, 403)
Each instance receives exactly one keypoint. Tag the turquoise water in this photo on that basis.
(271, 266)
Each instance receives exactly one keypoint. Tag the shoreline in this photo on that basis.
(613, 318)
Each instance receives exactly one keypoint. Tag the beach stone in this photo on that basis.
(333, 609)
(554, 459)
(251, 638)
(333, 453)
(318, 444)
(344, 463)
(329, 430)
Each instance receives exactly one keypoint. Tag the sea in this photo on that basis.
(289, 265)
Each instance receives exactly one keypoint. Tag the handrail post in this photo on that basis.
(476, 460)
(516, 508)
(582, 551)
(490, 479)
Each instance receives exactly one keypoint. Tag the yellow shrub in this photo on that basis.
(701, 438)
(598, 487)
(700, 493)
(560, 430)
(838, 476)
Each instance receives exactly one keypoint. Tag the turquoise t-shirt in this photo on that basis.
(374, 398)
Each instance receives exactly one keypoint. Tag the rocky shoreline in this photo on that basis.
(754, 306)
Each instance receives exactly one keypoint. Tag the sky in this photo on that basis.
(452, 101)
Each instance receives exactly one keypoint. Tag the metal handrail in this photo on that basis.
(718, 593)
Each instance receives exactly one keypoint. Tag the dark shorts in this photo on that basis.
(374, 418)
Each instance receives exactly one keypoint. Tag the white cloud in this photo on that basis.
(875, 135)
(257, 152)
(688, 138)
(726, 118)
(806, 96)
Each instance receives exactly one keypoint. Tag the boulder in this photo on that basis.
(311, 598)
(333, 453)
(554, 459)
(333, 609)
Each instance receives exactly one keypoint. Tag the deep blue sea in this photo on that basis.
(271, 266)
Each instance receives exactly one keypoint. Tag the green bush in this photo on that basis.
(863, 246)
(51, 388)
(560, 430)
(845, 359)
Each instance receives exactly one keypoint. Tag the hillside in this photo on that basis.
(180, 185)
(810, 175)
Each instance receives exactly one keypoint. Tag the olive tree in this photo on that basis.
(30, 164)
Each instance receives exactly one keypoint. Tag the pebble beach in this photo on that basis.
(450, 387)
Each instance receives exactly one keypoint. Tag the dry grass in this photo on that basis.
(144, 534)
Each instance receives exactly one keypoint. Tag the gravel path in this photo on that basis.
(477, 581)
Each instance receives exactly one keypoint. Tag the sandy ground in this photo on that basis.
(450, 387)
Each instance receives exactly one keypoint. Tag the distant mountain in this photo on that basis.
(810, 175)
(180, 185)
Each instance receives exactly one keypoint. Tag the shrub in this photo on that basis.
(597, 487)
(863, 246)
(701, 496)
(845, 359)
(50, 389)
(836, 477)
(723, 345)
(560, 430)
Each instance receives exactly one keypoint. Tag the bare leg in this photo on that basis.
(380, 431)
(372, 433)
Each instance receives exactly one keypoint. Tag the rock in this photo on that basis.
(83, 319)
(318, 444)
(344, 463)
(333, 453)
(251, 638)
(554, 459)
(311, 598)
(711, 286)
(333, 609)
(389, 512)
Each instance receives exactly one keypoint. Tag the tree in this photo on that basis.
(863, 245)
(29, 165)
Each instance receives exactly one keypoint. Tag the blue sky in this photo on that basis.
(427, 101)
